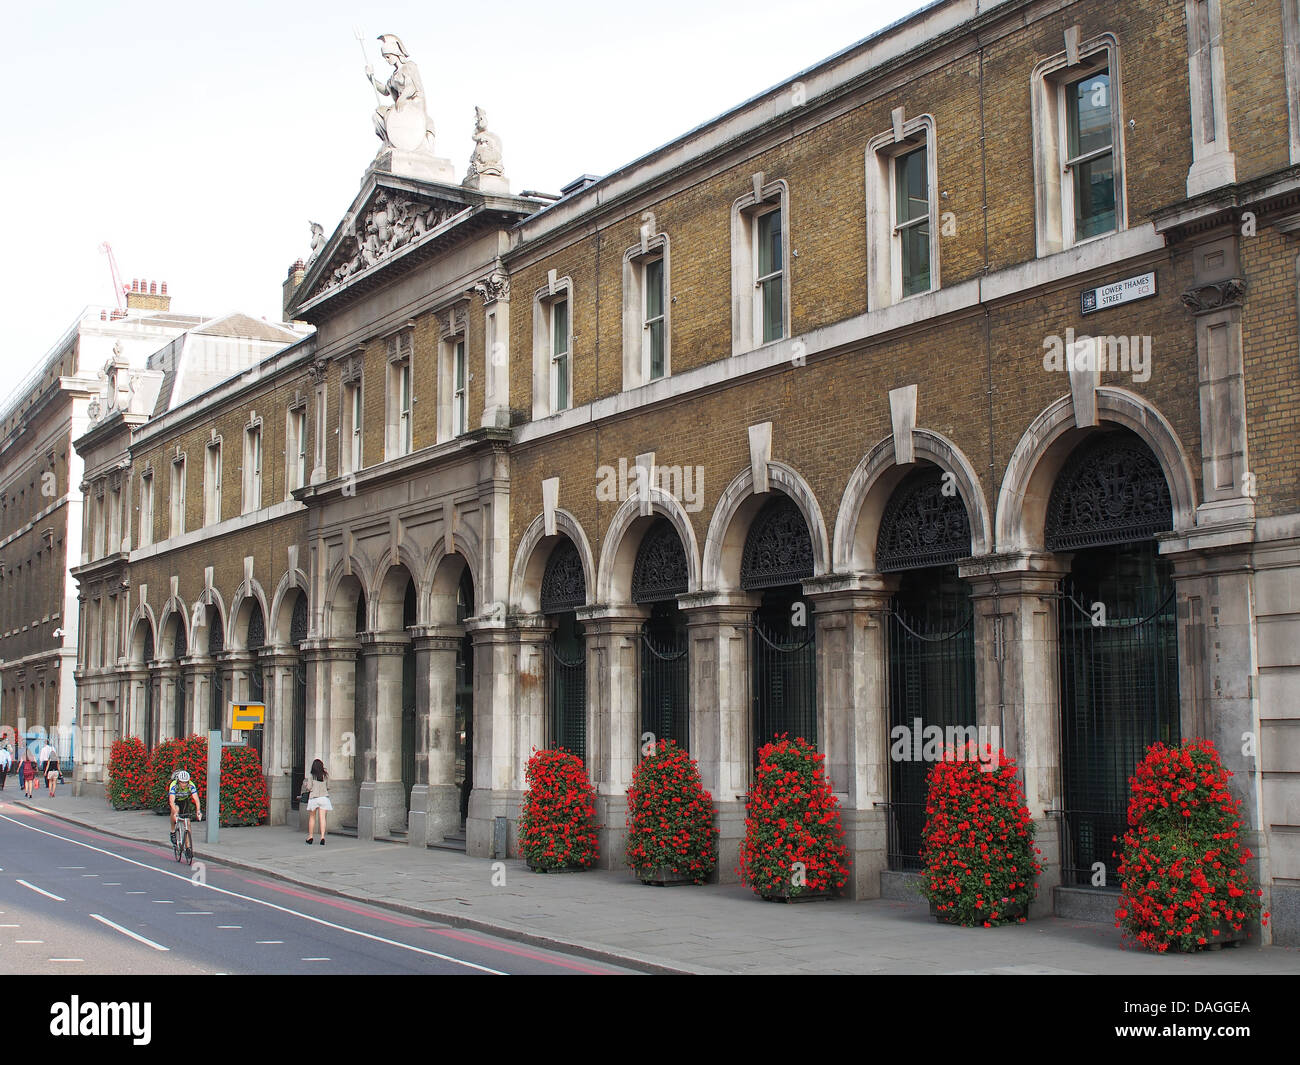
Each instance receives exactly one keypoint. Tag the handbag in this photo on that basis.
(305, 795)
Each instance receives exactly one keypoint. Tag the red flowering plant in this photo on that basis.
(557, 828)
(162, 764)
(670, 817)
(794, 840)
(1183, 881)
(978, 841)
(243, 788)
(128, 774)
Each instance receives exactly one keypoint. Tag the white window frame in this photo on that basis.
(1291, 68)
(546, 401)
(1053, 183)
(636, 327)
(459, 387)
(399, 436)
(351, 427)
(746, 306)
(254, 457)
(98, 530)
(295, 448)
(884, 238)
(176, 500)
(144, 532)
(212, 482)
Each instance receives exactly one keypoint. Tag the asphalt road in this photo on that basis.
(77, 901)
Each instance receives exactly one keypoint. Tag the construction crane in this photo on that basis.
(119, 289)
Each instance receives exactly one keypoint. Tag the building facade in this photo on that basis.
(947, 389)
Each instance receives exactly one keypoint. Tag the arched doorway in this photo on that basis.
(180, 648)
(924, 530)
(777, 557)
(564, 589)
(298, 740)
(148, 726)
(1118, 643)
(408, 696)
(255, 640)
(464, 696)
(659, 576)
(217, 687)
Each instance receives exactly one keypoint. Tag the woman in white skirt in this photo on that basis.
(319, 800)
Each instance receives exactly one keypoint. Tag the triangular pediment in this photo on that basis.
(390, 218)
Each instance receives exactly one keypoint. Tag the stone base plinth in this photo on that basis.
(435, 813)
(419, 165)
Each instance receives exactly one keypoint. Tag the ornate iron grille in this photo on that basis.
(216, 634)
(149, 734)
(465, 696)
(564, 585)
(659, 572)
(1111, 491)
(179, 650)
(408, 697)
(931, 683)
(922, 525)
(566, 662)
(784, 672)
(665, 682)
(778, 549)
(297, 634)
(1119, 695)
(216, 645)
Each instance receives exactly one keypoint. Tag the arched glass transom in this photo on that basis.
(924, 524)
(1110, 491)
(564, 585)
(659, 572)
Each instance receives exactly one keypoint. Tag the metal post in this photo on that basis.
(214, 784)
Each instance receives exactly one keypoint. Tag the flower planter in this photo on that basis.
(784, 894)
(1014, 910)
(561, 869)
(1227, 937)
(662, 876)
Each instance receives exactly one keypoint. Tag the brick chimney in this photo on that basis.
(291, 282)
(148, 296)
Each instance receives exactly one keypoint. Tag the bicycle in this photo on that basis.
(182, 841)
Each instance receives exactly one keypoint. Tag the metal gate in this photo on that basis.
(785, 682)
(665, 712)
(297, 634)
(931, 682)
(179, 715)
(1119, 695)
(408, 724)
(566, 689)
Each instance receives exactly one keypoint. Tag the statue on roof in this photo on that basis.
(405, 123)
(486, 170)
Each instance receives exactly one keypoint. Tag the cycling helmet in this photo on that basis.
(183, 777)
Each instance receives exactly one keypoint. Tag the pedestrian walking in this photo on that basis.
(318, 799)
(6, 763)
(50, 765)
(27, 773)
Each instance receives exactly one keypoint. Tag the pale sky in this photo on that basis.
(200, 140)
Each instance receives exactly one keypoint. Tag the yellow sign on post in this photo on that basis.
(244, 716)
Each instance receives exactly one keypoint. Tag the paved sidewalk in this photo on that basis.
(688, 929)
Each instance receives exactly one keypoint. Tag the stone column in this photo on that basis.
(508, 704)
(1017, 683)
(169, 674)
(853, 713)
(717, 631)
(382, 803)
(133, 724)
(613, 718)
(278, 664)
(331, 720)
(435, 799)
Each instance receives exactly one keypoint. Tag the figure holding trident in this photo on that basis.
(405, 123)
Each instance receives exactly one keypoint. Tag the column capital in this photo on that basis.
(855, 591)
(329, 650)
(1022, 571)
(698, 602)
(384, 643)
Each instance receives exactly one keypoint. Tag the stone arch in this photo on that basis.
(623, 539)
(342, 585)
(212, 598)
(142, 624)
(444, 587)
(282, 602)
(1044, 447)
(872, 483)
(241, 609)
(390, 594)
(432, 582)
(534, 549)
(725, 542)
(174, 613)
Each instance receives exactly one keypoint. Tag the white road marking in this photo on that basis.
(42, 891)
(115, 884)
(128, 932)
(166, 902)
(193, 913)
(315, 959)
(90, 874)
(135, 892)
(72, 867)
(8, 926)
(261, 902)
(67, 959)
(264, 942)
(29, 941)
(230, 926)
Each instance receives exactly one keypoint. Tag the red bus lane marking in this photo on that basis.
(521, 952)
(338, 904)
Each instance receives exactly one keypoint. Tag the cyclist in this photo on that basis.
(182, 790)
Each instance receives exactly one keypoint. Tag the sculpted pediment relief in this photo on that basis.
(388, 223)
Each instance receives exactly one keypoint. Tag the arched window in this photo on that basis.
(924, 524)
(564, 588)
(659, 575)
(778, 549)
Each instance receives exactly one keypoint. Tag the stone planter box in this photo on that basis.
(1227, 937)
(662, 876)
(783, 894)
(1013, 910)
(562, 869)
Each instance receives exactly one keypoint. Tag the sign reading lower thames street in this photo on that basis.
(1118, 292)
